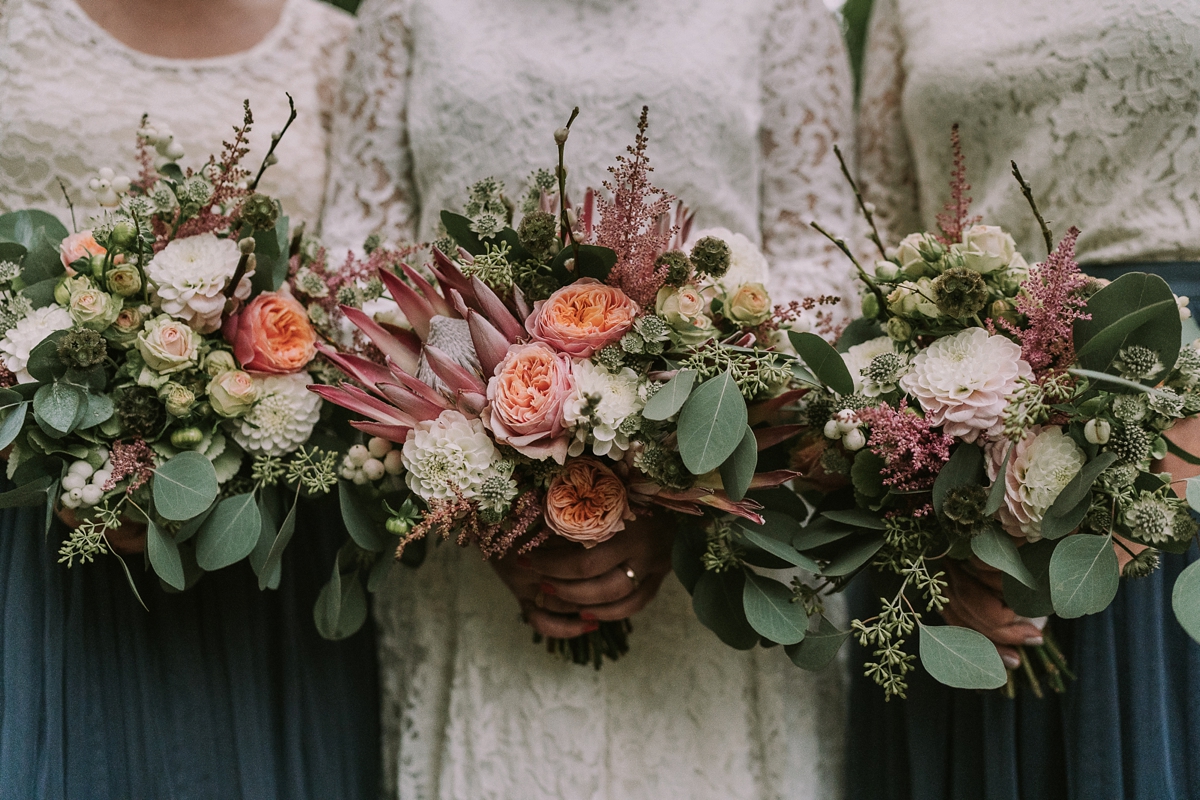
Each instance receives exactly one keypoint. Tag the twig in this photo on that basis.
(1027, 666)
(862, 273)
(1027, 190)
(70, 205)
(865, 207)
(564, 220)
(275, 139)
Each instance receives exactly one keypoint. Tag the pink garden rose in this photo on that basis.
(77, 246)
(587, 503)
(272, 334)
(582, 318)
(525, 401)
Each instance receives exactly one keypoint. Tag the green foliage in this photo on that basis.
(819, 647)
(1083, 575)
(1036, 601)
(1135, 309)
(712, 424)
(857, 553)
(229, 534)
(365, 531)
(1185, 599)
(164, 556)
(667, 401)
(961, 658)
(272, 567)
(341, 607)
(771, 611)
(823, 361)
(271, 252)
(39, 234)
(717, 600)
(856, 518)
(58, 408)
(965, 468)
(10, 428)
(737, 471)
(1072, 503)
(184, 486)
(995, 548)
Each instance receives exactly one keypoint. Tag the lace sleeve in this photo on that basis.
(885, 163)
(807, 108)
(370, 179)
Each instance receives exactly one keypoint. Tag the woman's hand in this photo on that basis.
(976, 600)
(128, 540)
(565, 589)
(1185, 435)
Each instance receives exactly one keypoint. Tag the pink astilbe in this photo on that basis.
(629, 223)
(228, 180)
(133, 459)
(954, 220)
(459, 517)
(913, 453)
(1051, 300)
(147, 174)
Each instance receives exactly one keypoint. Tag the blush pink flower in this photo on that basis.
(272, 335)
(582, 318)
(525, 401)
(1041, 465)
(587, 503)
(77, 246)
(963, 382)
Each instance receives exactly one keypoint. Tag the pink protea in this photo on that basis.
(963, 382)
(1042, 463)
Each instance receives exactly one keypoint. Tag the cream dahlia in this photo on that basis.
(189, 277)
(882, 378)
(283, 417)
(963, 382)
(28, 334)
(448, 456)
(1041, 465)
(598, 406)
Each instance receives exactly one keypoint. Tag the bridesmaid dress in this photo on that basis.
(1096, 101)
(222, 691)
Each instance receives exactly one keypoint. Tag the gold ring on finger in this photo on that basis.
(633, 578)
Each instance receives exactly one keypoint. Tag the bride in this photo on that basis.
(746, 100)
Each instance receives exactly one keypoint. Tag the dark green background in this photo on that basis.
(854, 26)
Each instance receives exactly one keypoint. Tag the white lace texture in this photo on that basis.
(746, 101)
(73, 97)
(1094, 99)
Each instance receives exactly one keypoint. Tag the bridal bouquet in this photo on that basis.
(566, 376)
(986, 408)
(154, 372)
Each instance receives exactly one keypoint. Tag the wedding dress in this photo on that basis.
(746, 100)
(1096, 101)
(222, 691)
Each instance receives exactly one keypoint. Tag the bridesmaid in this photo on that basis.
(1097, 103)
(222, 691)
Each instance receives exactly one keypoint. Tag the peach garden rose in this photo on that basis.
(587, 503)
(582, 318)
(525, 401)
(77, 246)
(272, 334)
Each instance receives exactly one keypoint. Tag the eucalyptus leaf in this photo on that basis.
(164, 556)
(861, 330)
(711, 424)
(820, 532)
(268, 527)
(825, 362)
(1084, 575)
(717, 602)
(366, 532)
(1136, 308)
(996, 549)
(996, 493)
(819, 647)
(1193, 493)
(341, 607)
(30, 494)
(779, 549)
(185, 486)
(379, 572)
(229, 534)
(866, 473)
(458, 228)
(271, 254)
(961, 658)
(737, 471)
(1080, 486)
(686, 555)
(855, 555)
(40, 294)
(272, 569)
(965, 468)
(57, 407)
(1185, 599)
(771, 612)
(10, 428)
(592, 262)
(857, 518)
(1035, 602)
(667, 401)
(189, 529)
(99, 410)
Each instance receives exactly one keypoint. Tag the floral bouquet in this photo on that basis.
(566, 376)
(986, 409)
(154, 372)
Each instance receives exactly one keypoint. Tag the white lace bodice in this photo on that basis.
(72, 97)
(746, 100)
(1096, 100)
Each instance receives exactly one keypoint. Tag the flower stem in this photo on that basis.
(1027, 190)
(862, 204)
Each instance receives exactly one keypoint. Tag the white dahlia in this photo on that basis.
(747, 264)
(598, 405)
(30, 331)
(189, 278)
(1041, 465)
(963, 382)
(448, 456)
(282, 419)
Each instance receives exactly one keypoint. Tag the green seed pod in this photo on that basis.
(186, 438)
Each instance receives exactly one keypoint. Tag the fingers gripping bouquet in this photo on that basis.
(154, 371)
(986, 414)
(570, 375)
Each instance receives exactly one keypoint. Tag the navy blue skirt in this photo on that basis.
(1127, 729)
(222, 691)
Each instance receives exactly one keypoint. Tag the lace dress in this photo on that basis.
(746, 101)
(1096, 100)
(222, 691)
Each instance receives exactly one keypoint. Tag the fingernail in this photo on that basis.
(524, 561)
(587, 615)
(548, 589)
(1010, 661)
(1034, 641)
(591, 627)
